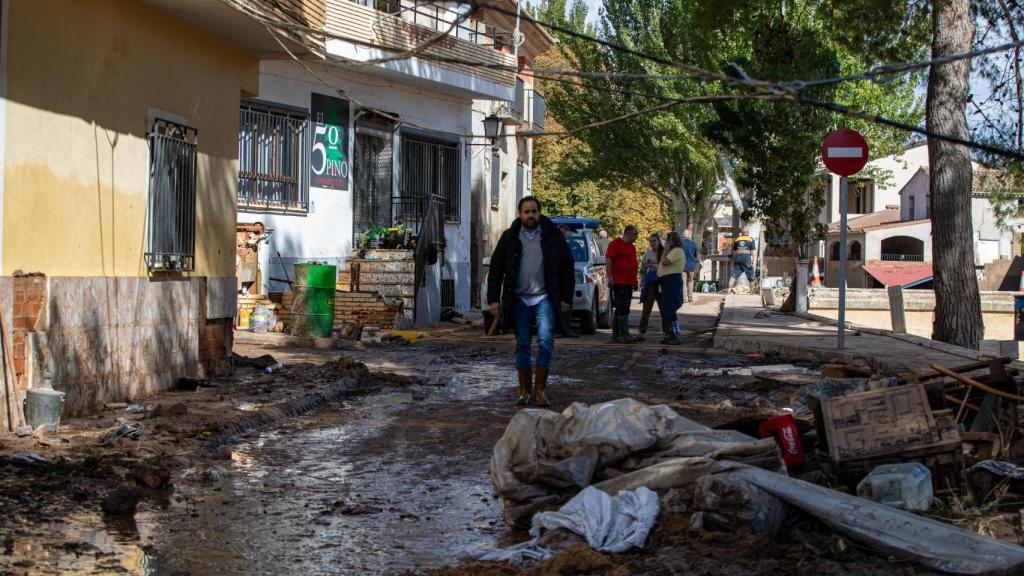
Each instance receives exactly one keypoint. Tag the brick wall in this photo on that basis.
(366, 308)
(29, 307)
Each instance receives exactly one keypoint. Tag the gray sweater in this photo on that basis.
(531, 269)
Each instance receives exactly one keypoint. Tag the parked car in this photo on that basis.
(591, 304)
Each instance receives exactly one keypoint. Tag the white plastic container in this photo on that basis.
(907, 485)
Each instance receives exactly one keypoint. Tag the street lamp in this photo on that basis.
(492, 125)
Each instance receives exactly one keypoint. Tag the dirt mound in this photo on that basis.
(578, 559)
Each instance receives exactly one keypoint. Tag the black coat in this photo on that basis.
(559, 269)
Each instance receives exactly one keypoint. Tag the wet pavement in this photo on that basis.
(379, 484)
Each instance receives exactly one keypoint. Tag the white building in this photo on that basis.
(894, 246)
(866, 193)
(334, 147)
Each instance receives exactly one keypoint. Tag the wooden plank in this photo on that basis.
(970, 383)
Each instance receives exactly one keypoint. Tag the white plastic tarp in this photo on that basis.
(545, 457)
(613, 524)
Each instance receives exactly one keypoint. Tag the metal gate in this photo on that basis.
(371, 200)
(430, 167)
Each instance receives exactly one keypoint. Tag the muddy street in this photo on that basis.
(386, 483)
(393, 477)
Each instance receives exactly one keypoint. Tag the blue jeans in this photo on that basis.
(544, 314)
(743, 266)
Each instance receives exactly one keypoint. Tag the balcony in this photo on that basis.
(237, 26)
(526, 111)
(903, 257)
(369, 29)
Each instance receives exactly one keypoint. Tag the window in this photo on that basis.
(430, 167)
(578, 247)
(496, 177)
(855, 251)
(834, 256)
(172, 197)
(372, 177)
(858, 197)
(273, 158)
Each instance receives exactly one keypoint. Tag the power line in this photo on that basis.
(896, 68)
(847, 111)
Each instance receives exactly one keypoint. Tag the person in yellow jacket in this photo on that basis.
(743, 258)
(670, 276)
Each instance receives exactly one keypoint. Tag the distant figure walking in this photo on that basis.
(530, 281)
(649, 287)
(690, 270)
(621, 257)
(670, 276)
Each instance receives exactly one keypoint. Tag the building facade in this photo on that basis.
(119, 156)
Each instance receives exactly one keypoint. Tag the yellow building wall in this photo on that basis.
(82, 79)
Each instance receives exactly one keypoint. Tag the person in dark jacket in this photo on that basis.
(531, 280)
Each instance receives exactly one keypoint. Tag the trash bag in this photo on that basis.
(544, 457)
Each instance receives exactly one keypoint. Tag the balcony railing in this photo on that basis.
(903, 257)
(439, 18)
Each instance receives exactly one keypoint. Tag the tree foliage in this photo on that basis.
(679, 153)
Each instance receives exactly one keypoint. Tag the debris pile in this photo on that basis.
(884, 437)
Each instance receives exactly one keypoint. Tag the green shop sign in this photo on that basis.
(329, 156)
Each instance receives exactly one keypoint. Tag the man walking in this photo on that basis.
(690, 269)
(621, 258)
(531, 280)
(743, 258)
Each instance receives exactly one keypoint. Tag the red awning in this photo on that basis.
(899, 273)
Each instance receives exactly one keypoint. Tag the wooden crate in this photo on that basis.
(867, 429)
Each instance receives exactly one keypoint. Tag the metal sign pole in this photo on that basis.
(844, 185)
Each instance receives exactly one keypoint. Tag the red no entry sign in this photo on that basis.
(844, 152)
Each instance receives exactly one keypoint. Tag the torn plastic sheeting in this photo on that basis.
(738, 505)
(612, 524)
(544, 457)
(927, 542)
(999, 468)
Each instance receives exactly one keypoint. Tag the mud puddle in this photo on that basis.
(390, 489)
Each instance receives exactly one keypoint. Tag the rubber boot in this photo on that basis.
(666, 328)
(617, 330)
(539, 399)
(626, 336)
(674, 339)
(525, 387)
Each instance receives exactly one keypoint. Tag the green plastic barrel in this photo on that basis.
(313, 302)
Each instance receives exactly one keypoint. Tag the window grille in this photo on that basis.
(447, 293)
(273, 158)
(430, 167)
(171, 219)
(371, 174)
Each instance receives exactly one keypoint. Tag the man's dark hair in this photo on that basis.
(630, 229)
(519, 207)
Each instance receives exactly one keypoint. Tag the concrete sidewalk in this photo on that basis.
(747, 326)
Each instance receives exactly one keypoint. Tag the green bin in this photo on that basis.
(313, 302)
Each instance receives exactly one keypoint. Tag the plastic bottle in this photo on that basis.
(907, 485)
(273, 368)
(243, 319)
(260, 319)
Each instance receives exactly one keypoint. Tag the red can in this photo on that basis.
(784, 429)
